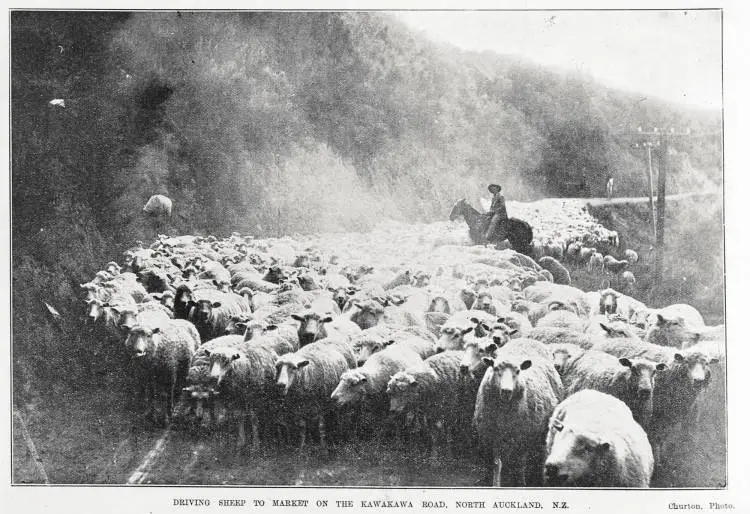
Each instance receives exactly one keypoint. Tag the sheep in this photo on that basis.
(613, 266)
(245, 379)
(671, 331)
(457, 326)
(627, 279)
(561, 319)
(215, 271)
(676, 389)
(485, 302)
(517, 322)
(560, 274)
(601, 326)
(161, 356)
(517, 394)
(213, 312)
(596, 263)
(475, 349)
(593, 441)
(152, 314)
(573, 251)
(572, 298)
(556, 335)
(584, 255)
(631, 256)
(306, 379)
(366, 385)
(608, 301)
(439, 304)
(366, 314)
(631, 381)
(553, 249)
(562, 355)
(690, 314)
(436, 389)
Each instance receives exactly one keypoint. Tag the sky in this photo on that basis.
(673, 55)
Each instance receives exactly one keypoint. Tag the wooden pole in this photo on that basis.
(651, 205)
(660, 210)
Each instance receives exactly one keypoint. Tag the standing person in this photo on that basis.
(610, 187)
(499, 215)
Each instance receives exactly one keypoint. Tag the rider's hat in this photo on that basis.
(494, 188)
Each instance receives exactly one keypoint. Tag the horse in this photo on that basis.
(520, 233)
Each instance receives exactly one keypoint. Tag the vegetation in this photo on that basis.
(271, 123)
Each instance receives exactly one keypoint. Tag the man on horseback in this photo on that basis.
(498, 227)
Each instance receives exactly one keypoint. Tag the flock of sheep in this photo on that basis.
(407, 332)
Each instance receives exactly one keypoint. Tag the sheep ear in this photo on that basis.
(156, 330)
(302, 364)
(525, 364)
(486, 327)
(605, 328)
(206, 351)
(466, 330)
(660, 319)
(679, 357)
(241, 325)
(489, 361)
(271, 327)
(602, 447)
(501, 319)
(327, 319)
(359, 306)
(626, 362)
(297, 318)
(475, 320)
(661, 366)
(362, 380)
(389, 342)
(513, 332)
(216, 305)
(351, 292)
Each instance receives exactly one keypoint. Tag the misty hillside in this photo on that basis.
(274, 123)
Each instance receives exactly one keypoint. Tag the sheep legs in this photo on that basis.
(254, 427)
(322, 430)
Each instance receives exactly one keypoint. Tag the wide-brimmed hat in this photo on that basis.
(494, 188)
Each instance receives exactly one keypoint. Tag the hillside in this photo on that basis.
(275, 123)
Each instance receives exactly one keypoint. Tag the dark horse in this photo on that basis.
(520, 234)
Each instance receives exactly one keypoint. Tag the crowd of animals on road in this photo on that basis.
(464, 348)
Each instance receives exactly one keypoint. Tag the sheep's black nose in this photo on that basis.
(551, 470)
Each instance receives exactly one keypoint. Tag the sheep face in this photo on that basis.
(484, 303)
(504, 380)
(608, 302)
(203, 309)
(451, 338)
(560, 357)
(142, 341)
(693, 368)
(237, 325)
(468, 296)
(351, 388)
(572, 458)
(167, 300)
(94, 310)
(221, 363)
(474, 351)
(641, 379)
(370, 314)
(341, 295)
(365, 349)
(311, 327)
(675, 330)
(500, 334)
(287, 368)
(402, 391)
(128, 318)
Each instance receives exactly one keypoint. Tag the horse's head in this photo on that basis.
(457, 209)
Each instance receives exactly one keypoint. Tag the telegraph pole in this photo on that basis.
(661, 197)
